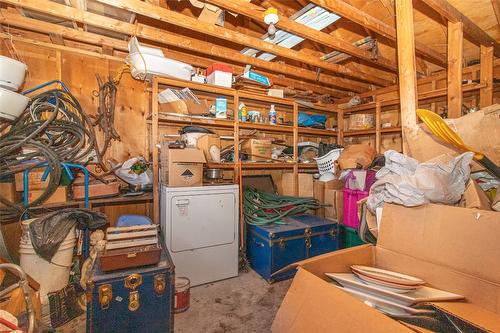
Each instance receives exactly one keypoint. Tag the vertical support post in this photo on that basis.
(486, 93)
(236, 141)
(455, 52)
(406, 66)
(154, 151)
(378, 111)
(295, 148)
(340, 127)
(433, 104)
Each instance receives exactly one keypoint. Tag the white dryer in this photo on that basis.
(200, 226)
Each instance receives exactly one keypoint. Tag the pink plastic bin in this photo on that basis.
(351, 197)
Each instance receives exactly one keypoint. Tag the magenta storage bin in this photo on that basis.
(370, 179)
(351, 197)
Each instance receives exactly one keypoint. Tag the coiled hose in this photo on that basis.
(261, 208)
(53, 129)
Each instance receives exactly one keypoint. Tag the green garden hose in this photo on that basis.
(260, 208)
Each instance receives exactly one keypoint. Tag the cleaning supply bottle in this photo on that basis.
(272, 115)
(242, 112)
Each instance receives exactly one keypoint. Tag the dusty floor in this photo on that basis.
(243, 304)
(246, 303)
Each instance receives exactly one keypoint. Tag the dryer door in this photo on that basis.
(202, 220)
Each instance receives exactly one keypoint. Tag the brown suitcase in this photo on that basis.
(112, 260)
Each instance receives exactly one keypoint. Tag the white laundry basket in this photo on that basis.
(326, 163)
(53, 275)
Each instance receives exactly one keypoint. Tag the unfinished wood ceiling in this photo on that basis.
(185, 29)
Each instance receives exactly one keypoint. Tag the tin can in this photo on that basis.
(182, 294)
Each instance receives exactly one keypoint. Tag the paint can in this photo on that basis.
(182, 291)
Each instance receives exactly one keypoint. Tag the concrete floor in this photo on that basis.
(246, 303)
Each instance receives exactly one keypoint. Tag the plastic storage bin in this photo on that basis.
(351, 198)
(349, 237)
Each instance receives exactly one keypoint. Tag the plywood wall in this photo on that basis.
(78, 72)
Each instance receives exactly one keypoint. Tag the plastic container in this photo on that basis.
(272, 115)
(351, 198)
(220, 75)
(326, 163)
(11, 73)
(349, 237)
(182, 294)
(369, 178)
(147, 61)
(53, 275)
(13, 104)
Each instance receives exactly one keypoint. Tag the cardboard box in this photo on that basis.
(305, 184)
(356, 155)
(257, 149)
(334, 198)
(480, 130)
(8, 191)
(474, 197)
(60, 195)
(440, 244)
(319, 194)
(208, 143)
(185, 107)
(34, 180)
(182, 167)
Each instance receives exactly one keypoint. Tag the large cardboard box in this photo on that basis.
(8, 191)
(474, 197)
(451, 248)
(319, 194)
(305, 184)
(335, 200)
(34, 180)
(257, 149)
(182, 167)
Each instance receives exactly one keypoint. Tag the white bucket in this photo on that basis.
(53, 275)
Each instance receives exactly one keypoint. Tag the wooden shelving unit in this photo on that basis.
(287, 107)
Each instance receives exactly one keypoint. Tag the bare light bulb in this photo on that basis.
(271, 31)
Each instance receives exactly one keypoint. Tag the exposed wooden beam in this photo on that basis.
(473, 33)
(168, 38)
(109, 43)
(454, 80)
(486, 73)
(190, 23)
(354, 14)
(496, 9)
(79, 4)
(407, 66)
(256, 12)
(56, 38)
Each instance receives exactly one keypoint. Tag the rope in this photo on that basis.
(262, 208)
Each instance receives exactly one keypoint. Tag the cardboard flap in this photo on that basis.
(186, 155)
(487, 320)
(351, 253)
(460, 239)
(314, 305)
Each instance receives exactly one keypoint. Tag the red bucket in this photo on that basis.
(182, 291)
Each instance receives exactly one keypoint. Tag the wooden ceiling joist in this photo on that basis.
(166, 38)
(354, 14)
(190, 23)
(256, 12)
(473, 33)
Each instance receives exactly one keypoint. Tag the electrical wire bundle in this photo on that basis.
(53, 129)
(261, 208)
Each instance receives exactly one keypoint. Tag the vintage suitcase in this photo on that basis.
(272, 247)
(132, 300)
(137, 256)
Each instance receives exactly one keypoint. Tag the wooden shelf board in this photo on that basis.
(321, 108)
(359, 132)
(264, 98)
(362, 107)
(225, 166)
(195, 120)
(308, 166)
(148, 196)
(391, 130)
(267, 127)
(266, 165)
(316, 131)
